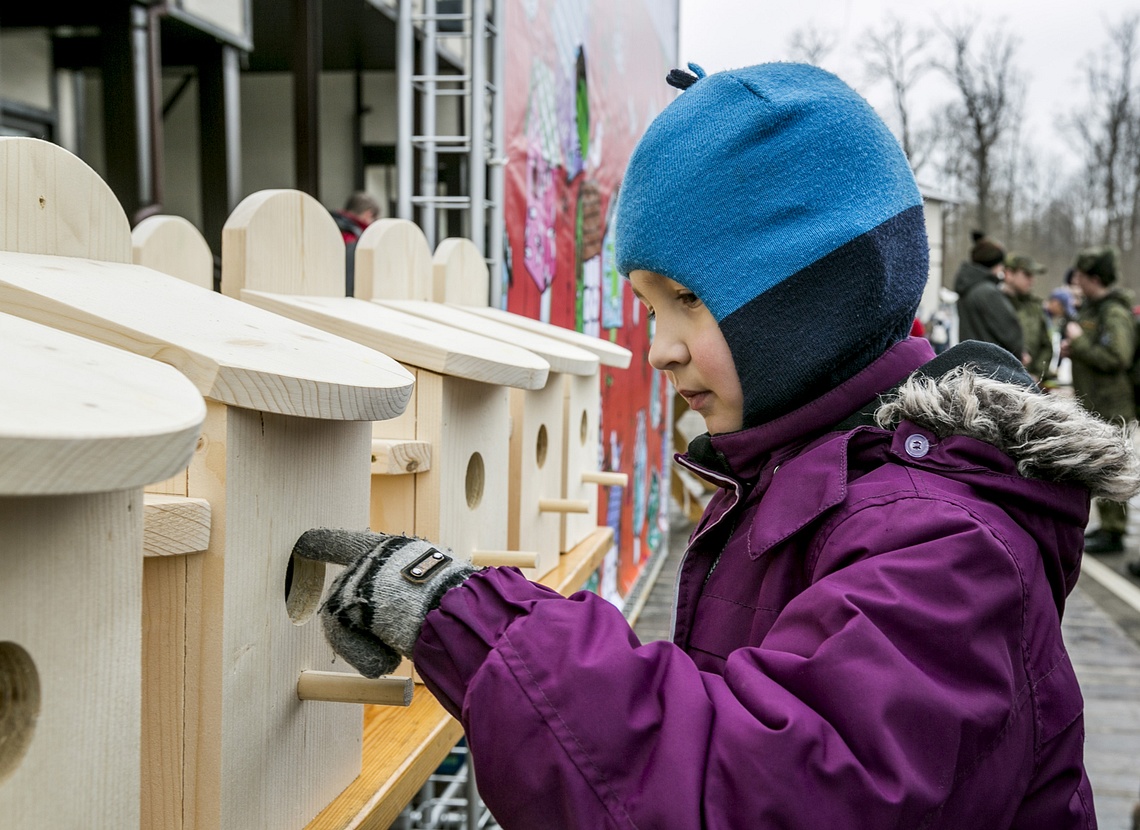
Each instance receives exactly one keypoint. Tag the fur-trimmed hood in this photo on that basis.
(1050, 437)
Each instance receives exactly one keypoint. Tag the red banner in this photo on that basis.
(583, 80)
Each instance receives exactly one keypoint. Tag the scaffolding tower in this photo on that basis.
(469, 32)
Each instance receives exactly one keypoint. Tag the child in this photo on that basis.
(867, 624)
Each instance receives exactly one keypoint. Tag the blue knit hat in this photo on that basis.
(778, 196)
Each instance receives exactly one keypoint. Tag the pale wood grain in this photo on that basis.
(562, 356)
(497, 558)
(175, 525)
(168, 584)
(78, 416)
(393, 261)
(339, 687)
(53, 203)
(402, 747)
(582, 414)
(283, 241)
(536, 473)
(231, 351)
(172, 245)
(261, 757)
(459, 273)
(610, 354)
(563, 505)
(607, 479)
(462, 501)
(394, 456)
(411, 339)
(71, 598)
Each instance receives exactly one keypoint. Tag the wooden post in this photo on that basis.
(285, 448)
(172, 245)
(82, 429)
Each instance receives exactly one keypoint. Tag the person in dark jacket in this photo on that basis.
(867, 622)
(985, 313)
(360, 211)
(1101, 343)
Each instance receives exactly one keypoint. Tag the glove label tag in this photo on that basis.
(422, 569)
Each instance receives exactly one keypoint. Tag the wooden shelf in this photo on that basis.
(403, 746)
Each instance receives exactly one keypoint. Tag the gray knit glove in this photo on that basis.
(376, 607)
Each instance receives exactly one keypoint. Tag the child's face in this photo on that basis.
(689, 348)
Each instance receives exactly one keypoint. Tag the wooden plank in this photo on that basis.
(536, 466)
(172, 245)
(402, 747)
(610, 354)
(231, 351)
(168, 582)
(562, 356)
(262, 758)
(411, 339)
(53, 203)
(70, 631)
(283, 241)
(459, 273)
(462, 501)
(582, 412)
(393, 261)
(175, 525)
(394, 456)
(81, 417)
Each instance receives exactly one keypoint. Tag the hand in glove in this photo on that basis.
(376, 607)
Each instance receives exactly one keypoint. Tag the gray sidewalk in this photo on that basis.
(1107, 661)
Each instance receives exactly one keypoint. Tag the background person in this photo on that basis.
(1101, 343)
(360, 211)
(984, 311)
(1021, 272)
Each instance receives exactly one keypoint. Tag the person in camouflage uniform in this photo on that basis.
(1020, 272)
(1100, 344)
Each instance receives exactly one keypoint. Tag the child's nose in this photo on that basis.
(667, 349)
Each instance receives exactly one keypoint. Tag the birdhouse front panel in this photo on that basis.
(536, 473)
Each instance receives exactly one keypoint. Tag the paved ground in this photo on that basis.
(1102, 631)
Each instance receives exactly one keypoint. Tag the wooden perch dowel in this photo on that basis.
(493, 558)
(608, 479)
(563, 506)
(338, 687)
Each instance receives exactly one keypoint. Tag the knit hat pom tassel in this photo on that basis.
(682, 79)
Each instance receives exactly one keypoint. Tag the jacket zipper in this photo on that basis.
(737, 492)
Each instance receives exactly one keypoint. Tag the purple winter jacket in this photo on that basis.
(867, 635)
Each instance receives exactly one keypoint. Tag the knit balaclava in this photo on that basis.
(778, 196)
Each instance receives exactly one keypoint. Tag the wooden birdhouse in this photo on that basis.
(441, 470)
(461, 280)
(285, 448)
(582, 408)
(82, 428)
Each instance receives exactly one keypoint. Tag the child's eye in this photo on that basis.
(689, 299)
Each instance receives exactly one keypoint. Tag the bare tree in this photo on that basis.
(810, 44)
(898, 55)
(991, 92)
(1107, 128)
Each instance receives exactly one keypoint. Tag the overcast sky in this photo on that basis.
(1055, 37)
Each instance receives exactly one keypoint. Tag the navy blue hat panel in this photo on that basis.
(810, 333)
